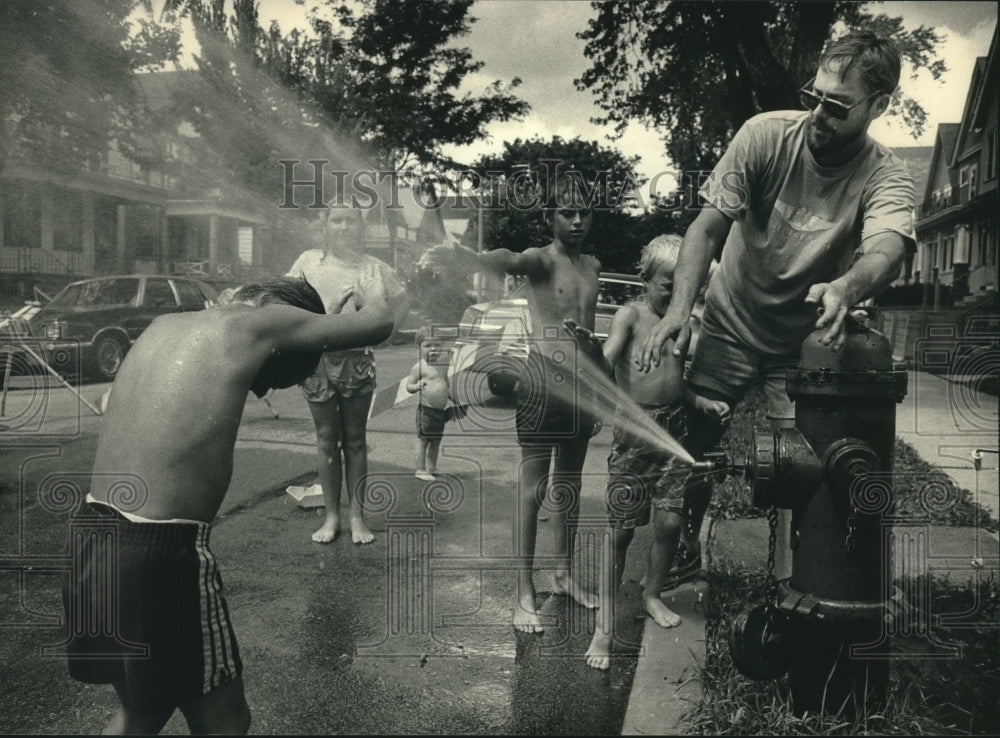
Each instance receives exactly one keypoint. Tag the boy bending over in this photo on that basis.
(163, 464)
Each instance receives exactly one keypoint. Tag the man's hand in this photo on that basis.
(833, 309)
(337, 305)
(647, 355)
(369, 288)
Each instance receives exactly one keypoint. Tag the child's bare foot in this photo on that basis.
(426, 476)
(661, 614)
(599, 653)
(564, 584)
(526, 617)
(360, 532)
(329, 529)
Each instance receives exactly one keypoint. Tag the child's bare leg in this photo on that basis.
(614, 545)
(222, 712)
(354, 412)
(532, 478)
(566, 488)
(326, 417)
(433, 447)
(130, 721)
(421, 470)
(667, 526)
(421, 447)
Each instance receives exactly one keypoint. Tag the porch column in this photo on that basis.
(120, 243)
(48, 212)
(213, 244)
(960, 273)
(89, 225)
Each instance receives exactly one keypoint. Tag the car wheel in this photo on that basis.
(109, 351)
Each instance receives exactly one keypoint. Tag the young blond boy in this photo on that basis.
(642, 477)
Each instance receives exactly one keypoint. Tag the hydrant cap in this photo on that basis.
(864, 350)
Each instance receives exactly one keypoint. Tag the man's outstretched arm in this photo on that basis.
(702, 241)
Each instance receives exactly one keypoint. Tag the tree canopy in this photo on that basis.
(66, 76)
(697, 70)
(606, 174)
(383, 76)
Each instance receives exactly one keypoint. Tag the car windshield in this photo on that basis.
(68, 297)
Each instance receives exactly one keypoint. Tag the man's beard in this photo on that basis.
(824, 141)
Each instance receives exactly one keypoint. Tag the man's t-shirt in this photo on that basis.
(797, 224)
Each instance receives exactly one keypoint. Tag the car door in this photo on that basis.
(190, 296)
(158, 298)
(112, 303)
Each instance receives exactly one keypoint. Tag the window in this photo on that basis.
(108, 292)
(244, 241)
(67, 221)
(973, 171)
(991, 154)
(159, 294)
(191, 297)
(21, 214)
(142, 230)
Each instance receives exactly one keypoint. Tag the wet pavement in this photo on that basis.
(410, 634)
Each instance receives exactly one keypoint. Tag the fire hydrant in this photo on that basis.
(826, 624)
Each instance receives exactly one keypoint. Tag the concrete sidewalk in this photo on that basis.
(946, 422)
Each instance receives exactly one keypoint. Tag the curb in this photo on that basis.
(667, 675)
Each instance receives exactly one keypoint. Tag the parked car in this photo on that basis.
(493, 335)
(104, 317)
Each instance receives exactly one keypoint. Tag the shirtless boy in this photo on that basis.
(640, 477)
(561, 285)
(429, 377)
(163, 464)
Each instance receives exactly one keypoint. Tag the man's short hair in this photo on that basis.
(284, 368)
(877, 60)
(661, 250)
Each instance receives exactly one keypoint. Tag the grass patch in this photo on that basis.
(919, 489)
(953, 694)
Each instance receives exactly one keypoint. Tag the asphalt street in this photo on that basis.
(410, 634)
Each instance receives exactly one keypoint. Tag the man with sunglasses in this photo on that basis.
(813, 216)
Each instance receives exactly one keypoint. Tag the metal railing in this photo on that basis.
(42, 261)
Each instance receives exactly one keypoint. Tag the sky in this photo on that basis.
(536, 41)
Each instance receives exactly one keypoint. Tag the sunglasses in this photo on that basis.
(833, 108)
